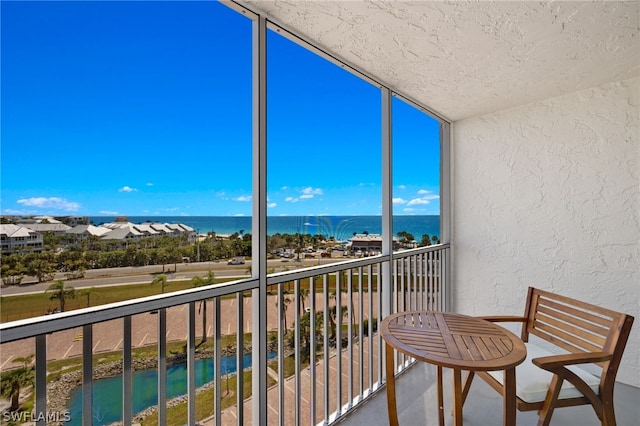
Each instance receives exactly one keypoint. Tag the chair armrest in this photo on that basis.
(504, 318)
(555, 361)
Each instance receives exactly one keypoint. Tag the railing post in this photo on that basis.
(127, 403)
(162, 366)
(41, 379)
(191, 362)
(87, 374)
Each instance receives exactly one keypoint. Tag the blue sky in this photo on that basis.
(144, 108)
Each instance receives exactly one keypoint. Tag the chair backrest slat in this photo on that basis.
(576, 326)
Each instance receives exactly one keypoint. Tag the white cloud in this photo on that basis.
(402, 187)
(424, 198)
(50, 202)
(306, 196)
(149, 184)
(312, 191)
(291, 200)
(399, 201)
(13, 212)
(418, 201)
(272, 205)
(109, 213)
(127, 189)
(243, 198)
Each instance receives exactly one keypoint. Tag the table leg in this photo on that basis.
(440, 398)
(509, 396)
(391, 387)
(457, 397)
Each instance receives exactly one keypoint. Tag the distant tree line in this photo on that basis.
(73, 258)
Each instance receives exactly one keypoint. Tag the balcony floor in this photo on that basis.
(417, 405)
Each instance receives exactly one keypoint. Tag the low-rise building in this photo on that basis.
(19, 239)
(82, 232)
(58, 229)
(369, 243)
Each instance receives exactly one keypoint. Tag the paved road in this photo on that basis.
(145, 274)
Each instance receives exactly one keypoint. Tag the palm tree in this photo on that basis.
(302, 294)
(200, 282)
(160, 279)
(284, 305)
(15, 380)
(61, 293)
(87, 292)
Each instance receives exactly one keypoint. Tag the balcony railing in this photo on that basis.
(325, 352)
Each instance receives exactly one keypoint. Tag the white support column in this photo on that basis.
(259, 223)
(387, 211)
(445, 205)
(387, 203)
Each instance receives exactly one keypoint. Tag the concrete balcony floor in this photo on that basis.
(417, 405)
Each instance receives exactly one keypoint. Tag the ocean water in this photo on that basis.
(339, 227)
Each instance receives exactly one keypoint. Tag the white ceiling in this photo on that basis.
(464, 59)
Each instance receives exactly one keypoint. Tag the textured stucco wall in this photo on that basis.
(547, 195)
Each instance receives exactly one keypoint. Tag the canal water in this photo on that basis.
(107, 393)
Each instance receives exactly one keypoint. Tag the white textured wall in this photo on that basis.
(547, 195)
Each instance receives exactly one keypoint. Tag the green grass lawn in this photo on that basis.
(32, 305)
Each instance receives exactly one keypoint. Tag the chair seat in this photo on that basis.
(532, 382)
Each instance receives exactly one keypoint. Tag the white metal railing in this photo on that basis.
(322, 328)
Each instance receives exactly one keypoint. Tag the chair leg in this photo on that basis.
(550, 401)
(608, 413)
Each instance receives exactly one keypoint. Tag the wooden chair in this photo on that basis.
(587, 334)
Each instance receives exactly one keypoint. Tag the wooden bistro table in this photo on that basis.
(455, 341)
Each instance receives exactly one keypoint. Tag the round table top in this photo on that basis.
(453, 340)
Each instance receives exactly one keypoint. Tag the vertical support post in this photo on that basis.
(162, 366)
(281, 332)
(191, 363)
(445, 207)
(87, 374)
(127, 395)
(370, 331)
(338, 345)
(240, 360)
(217, 363)
(387, 208)
(41, 379)
(387, 201)
(259, 222)
(325, 331)
(297, 338)
(312, 355)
